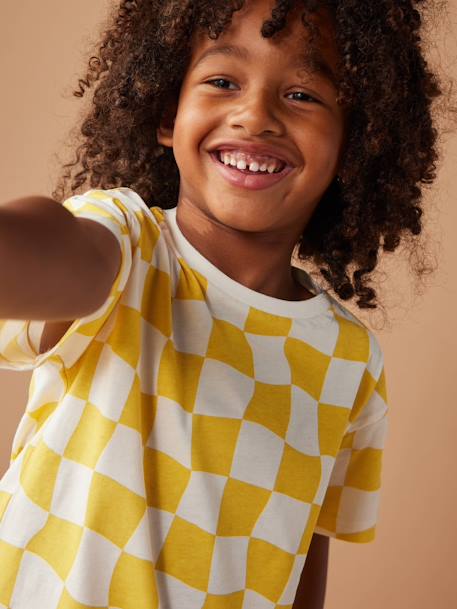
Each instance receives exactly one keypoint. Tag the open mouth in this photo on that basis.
(283, 167)
(246, 179)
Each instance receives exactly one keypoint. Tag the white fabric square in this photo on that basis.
(11, 478)
(139, 544)
(71, 490)
(254, 600)
(282, 522)
(121, 457)
(358, 510)
(376, 361)
(319, 332)
(160, 522)
(340, 467)
(341, 382)
(327, 463)
(230, 403)
(303, 430)
(270, 362)
(22, 520)
(257, 456)
(290, 591)
(374, 409)
(191, 508)
(25, 432)
(175, 593)
(192, 326)
(110, 399)
(372, 436)
(172, 431)
(133, 296)
(49, 386)
(90, 577)
(37, 585)
(60, 427)
(224, 307)
(228, 567)
(152, 346)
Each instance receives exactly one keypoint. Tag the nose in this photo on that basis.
(254, 111)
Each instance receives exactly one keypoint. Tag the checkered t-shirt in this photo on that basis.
(181, 445)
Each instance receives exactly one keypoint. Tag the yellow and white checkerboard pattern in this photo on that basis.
(181, 444)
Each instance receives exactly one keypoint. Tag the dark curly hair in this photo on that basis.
(385, 84)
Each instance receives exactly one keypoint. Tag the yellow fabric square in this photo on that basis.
(299, 475)
(309, 530)
(228, 344)
(353, 341)
(165, 480)
(191, 284)
(183, 366)
(364, 393)
(267, 324)
(124, 338)
(90, 438)
(270, 406)
(381, 386)
(139, 411)
(213, 443)
(149, 237)
(4, 500)
(364, 470)
(174, 556)
(113, 510)
(156, 301)
(241, 506)
(10, 560)
(330, 508)
(133, 584)
(38, 474)
(308, 366)
(268, 568)
(332, 421)
(46, 543)
(80, 378)
(224, 601)
(68, 602)
(347, 440)
(158, 213)
(41, 414)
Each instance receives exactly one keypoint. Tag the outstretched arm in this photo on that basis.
(313, 580)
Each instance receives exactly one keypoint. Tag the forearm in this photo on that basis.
(311, 589)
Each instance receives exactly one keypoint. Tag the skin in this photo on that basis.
(250, 235)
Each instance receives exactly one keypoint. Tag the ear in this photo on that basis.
(166, 127)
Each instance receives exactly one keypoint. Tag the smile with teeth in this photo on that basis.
(254, 163)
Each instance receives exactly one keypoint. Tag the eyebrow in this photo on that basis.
(311, 61)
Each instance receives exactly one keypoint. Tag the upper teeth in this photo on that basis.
(241, 160)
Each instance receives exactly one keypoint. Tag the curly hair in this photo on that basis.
(384, 82)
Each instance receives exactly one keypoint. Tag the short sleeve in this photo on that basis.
(123, 212)
(351, 504)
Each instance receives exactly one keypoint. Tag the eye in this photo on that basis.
(217, 80)
(306, 95)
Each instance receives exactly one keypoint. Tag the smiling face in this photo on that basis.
(261, 96)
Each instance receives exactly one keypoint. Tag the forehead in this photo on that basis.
(289, 47)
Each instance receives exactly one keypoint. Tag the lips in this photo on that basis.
(247, 179)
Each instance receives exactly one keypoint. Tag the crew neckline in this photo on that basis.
(317, 304)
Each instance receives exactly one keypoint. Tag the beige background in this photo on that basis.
(412, 562)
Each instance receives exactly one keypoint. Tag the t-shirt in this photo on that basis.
(181, 444)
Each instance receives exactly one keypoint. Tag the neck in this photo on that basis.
(259, 261)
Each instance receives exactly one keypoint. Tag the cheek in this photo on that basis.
(321, 146)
